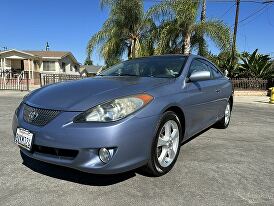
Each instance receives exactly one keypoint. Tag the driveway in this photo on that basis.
(219, 167)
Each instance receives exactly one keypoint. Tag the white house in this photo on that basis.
(90, 70)
(35, 62)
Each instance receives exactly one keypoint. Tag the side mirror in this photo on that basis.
(200, 76)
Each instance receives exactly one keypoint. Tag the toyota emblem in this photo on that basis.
(33, 115)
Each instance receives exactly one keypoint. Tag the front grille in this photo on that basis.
(60, 153)
(37, 116)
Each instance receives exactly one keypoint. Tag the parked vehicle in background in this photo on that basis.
(136, 113)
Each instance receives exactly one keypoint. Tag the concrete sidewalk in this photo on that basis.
(10, 93)
(252, 99)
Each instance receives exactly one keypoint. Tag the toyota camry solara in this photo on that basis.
(134, 114)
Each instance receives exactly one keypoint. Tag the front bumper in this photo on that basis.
(131, 139)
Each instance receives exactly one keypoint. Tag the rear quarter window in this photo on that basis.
(216, 72)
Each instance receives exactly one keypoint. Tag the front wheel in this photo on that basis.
(224, 122)
(166, 145)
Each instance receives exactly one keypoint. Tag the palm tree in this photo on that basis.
(127, 30)
(224, 62)
(88, 61)
(202, 47)
(179, 28)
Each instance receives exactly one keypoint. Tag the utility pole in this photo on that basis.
(235, 33)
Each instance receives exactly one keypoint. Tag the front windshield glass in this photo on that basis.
(159, 67)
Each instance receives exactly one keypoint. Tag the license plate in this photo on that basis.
(23, 138)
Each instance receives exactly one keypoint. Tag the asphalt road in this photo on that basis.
(219, 167)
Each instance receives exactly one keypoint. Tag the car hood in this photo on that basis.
(83, 94)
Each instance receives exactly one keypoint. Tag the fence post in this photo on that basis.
(44, 80)
(40, 77)
(27, 74)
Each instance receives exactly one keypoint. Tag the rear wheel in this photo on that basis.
(166, 146)
(224, 122)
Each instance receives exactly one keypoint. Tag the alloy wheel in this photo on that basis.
(168, 143)
(227, 113)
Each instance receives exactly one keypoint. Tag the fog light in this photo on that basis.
(104, 155)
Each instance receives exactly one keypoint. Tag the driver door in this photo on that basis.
(201, 101)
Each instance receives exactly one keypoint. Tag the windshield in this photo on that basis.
(160, 67)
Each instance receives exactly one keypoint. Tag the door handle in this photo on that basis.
(218, 90)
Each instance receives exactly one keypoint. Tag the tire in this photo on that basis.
(224, 122)
(165, 147)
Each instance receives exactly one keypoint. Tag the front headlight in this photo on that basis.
(115, 109)
(17, 110)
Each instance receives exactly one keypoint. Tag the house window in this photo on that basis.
(48, 66)
(8, 63)
(63, 66)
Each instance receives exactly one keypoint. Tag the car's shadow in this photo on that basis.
(196, 135)
(72, 175)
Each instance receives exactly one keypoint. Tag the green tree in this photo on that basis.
(126, 31)
(202, 46)
(256, 65)
(179, 28)
(224, 61)
(88, 61)
(112, 61)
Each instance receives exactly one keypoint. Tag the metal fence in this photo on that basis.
(270, 83)
(46, 79)
(14, 81)
(251, 83)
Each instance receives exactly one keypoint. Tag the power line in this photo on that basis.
(254, 13)
(242, 1)
(225, 1)
(268, 18)
(227, 10)
(257, 12)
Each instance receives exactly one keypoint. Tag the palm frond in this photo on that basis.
(161, 11)
(217, 31)
(168, 36)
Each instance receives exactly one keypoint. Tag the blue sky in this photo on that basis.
(68, 25)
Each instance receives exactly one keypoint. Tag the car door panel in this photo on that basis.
(201, 105)
(225, 92)
(224, 87)
(204, 101)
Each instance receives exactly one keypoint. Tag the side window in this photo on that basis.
(217, 74)
(197, 65)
